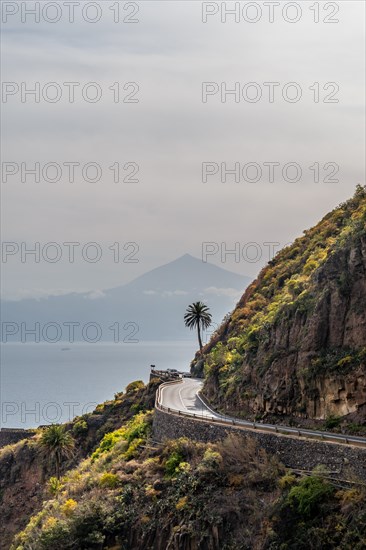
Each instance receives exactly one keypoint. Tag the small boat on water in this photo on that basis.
(65, 349)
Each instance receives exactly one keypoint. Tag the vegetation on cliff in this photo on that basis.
(129, 492)
(296, 342)
(26, 471)
(183, 495)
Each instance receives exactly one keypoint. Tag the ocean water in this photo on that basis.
(41, 383)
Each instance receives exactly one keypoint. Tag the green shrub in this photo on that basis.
(172, 463)
(308, 494)
(354, 428)
(109, 480)
(69, 507)
(332, 421)
(212, 460)
(137, 428)
(54, 485)
(80, 427)
(133, 448)
(135, 386)
(55, 534)
(136, 408)
(108, 442)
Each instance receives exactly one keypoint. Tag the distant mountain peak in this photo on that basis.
(187, 257)
(155, 301)
(187, 272)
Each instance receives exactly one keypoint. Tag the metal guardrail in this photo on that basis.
(256, 426)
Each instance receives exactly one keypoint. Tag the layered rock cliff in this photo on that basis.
(296, 342)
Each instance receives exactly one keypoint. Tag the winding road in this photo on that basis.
(181, 397)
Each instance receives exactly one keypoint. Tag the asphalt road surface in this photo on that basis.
(183, 397)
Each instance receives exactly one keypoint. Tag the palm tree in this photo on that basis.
(198, 316)
(57, 443)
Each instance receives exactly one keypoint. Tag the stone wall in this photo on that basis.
(303, 454)
(12, 435)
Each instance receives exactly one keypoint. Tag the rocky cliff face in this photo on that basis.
(296, 342)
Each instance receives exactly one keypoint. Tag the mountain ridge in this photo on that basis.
(296, 342)
(167, 289)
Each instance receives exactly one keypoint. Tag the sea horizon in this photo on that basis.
(52, 383)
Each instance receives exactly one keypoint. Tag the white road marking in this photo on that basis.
(181, 399)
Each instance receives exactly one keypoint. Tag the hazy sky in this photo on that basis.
(169, 132)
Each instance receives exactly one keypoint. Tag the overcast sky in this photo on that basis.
(170, 132)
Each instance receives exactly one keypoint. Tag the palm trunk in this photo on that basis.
(199, 337)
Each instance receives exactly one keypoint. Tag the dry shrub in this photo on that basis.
(242, 456)
(187, 448)
(131, 466)
(235, 480)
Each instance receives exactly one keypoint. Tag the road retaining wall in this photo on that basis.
(297, 453)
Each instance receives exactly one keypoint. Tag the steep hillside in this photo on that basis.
(133, 494)
(296, 342)
(25, 471)
(125, 491)
(178, 496)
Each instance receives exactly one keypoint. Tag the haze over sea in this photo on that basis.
(41, 383)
